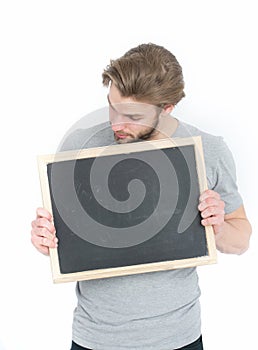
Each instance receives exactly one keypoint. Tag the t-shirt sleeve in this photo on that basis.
(95, 136)
(225, 180)
(73, 141)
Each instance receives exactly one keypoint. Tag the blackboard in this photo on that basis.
(125, 209)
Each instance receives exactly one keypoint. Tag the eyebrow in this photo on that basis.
(127, 115)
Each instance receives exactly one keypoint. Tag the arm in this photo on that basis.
(232, 231)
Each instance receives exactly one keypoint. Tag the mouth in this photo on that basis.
(121, 136)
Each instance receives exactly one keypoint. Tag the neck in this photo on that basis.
(166, 127)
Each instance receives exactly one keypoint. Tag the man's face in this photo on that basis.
(131, 120)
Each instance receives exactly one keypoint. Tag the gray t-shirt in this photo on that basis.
(154, 310)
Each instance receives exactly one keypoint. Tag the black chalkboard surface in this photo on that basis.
(125, 209)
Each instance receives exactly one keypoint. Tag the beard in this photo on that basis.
(142, 136)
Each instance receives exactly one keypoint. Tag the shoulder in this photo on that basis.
(95, 136)
(214, 147)
(219, 162)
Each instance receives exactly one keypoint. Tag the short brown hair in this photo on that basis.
(148, 73)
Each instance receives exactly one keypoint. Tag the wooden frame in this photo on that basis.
(44, 160)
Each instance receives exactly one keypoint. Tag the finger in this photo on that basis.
(43, 213)
(44, 223)
(41, 248)
(213, 220)
(42, 232)
(212, 211)
(40, 241)
(211, 202)
(207, 203)
(209, 193)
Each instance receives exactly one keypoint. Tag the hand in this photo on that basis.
(212, 210)
(43, 232)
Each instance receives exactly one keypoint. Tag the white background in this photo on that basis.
(52, 56)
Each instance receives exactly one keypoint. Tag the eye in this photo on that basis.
(133, 117)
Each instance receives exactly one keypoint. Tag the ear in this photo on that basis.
(167, 109)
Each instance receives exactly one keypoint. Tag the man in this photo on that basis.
(158, 310)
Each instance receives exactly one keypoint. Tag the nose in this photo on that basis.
(117, 123)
